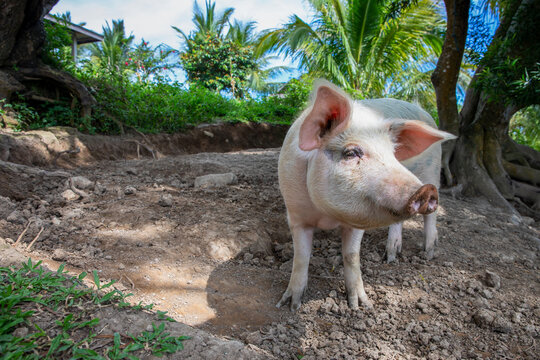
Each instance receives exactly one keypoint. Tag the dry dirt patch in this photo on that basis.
(219, 259)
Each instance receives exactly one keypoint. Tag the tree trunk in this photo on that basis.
(485, 160)
(23, 36)
(445, 76)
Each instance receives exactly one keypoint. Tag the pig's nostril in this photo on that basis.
(432, 204)
(415, 206)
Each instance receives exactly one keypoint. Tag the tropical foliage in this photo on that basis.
(525, 127)
(218, 64)
(365, 46)
(219, 54)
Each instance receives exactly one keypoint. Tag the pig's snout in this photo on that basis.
(424, 201)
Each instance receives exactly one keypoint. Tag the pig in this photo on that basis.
(357, 165)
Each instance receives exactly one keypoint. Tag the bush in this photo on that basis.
(525, 127)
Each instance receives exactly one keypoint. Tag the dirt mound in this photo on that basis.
(66, 147)
(219, 258)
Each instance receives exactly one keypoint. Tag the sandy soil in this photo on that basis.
(219, 258)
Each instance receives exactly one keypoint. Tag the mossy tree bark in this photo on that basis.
(484, 160)
(23, 37)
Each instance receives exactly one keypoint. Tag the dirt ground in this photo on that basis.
(218, 259)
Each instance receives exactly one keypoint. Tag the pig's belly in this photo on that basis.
(327, 223)
(311, 217)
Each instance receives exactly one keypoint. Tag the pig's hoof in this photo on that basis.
(390, 258)
(353, 302)
(293, 297)
(366, 303)
(429, 254)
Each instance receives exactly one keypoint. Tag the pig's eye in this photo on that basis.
(351, 153)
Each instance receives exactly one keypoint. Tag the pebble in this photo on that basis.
(20, 332)
(166, 200)
(328, 304)
(130, 190)
(483, 317)
(69, 195)
(215, 180)
(492, 279)
(487, 294)
(80, 182)
(502, 325)
(16, 217)
(99, 189)
(59, 255)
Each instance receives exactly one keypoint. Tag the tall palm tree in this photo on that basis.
(362, 45)
(207, 22)
(113, 52)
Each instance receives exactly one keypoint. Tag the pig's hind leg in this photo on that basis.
(393, 244)
(430, 234)
(351, 239)
(302, 240)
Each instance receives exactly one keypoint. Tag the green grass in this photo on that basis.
(57, 309)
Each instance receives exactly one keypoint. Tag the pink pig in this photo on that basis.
(357, 165)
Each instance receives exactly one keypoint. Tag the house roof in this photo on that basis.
(83, 35)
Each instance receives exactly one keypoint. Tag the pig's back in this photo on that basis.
(397, 109)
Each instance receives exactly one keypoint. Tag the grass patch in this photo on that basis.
(49, 315)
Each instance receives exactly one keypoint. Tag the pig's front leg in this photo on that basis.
(393, 244)
(430, 234)
(351, 239)
(302, 240)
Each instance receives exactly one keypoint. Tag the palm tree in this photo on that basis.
(361, 45)
(244, 34)
(113, 52)
(206, 23)
(211, 24)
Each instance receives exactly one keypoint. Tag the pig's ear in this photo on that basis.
(413, 136)
(329, 116)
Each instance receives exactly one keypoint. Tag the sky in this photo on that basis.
(152, 20)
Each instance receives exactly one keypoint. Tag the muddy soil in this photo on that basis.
(218, 258)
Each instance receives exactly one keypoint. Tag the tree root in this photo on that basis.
(79, 192)
(447, 151)
(139, 145)
(528, 193)
(522, 173)
(18, 168)
(69, 82)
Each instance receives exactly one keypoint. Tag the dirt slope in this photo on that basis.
(219, 258)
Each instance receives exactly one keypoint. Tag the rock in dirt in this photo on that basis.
(502, 325)
(69, 195)
(10, 256)
(59, 255)
(16, 217)
(492, 279)
(80, 182)
(99, 189)
(20, 332)
(484, 317)
(129, 190)
(6, 207)
(215, 180)
(166, 200)
(488, 319)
